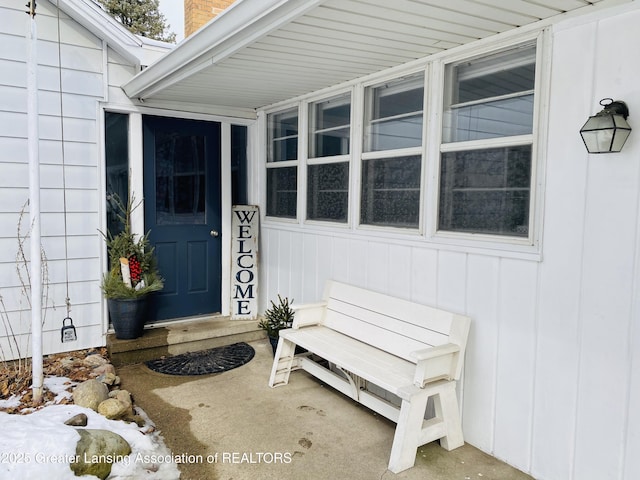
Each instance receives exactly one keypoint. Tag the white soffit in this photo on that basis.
(261, 52)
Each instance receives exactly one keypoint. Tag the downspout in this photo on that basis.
(34, 208)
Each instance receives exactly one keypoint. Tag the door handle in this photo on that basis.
(214, 233)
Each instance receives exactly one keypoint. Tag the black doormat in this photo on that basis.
(214, 360)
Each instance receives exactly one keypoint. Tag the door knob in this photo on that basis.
(214, 233)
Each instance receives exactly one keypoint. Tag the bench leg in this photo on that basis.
(408, 432)
(412, 429)
(282, 363)
(446, 408)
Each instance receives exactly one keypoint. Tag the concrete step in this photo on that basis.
(182, 337)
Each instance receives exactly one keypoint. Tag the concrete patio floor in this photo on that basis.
(233, 426)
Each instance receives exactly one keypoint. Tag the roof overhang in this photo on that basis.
(261, 52)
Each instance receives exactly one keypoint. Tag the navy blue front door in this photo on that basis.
(182, 211)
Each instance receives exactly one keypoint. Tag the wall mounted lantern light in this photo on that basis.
(607, 130)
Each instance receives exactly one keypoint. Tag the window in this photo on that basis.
(328, 164)
(238, 164)
(486, 154)
(392, 157)
(282, 165)
(180, 178)
(391, 191)
(117, 166)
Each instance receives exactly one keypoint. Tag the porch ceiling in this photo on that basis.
(260, 52)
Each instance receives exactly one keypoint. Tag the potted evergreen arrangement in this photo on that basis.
(132, 275)
(276, 318)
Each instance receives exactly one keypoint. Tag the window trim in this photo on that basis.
(270, 164)
(271, 139)
(368, 106)
(341, 98)
(348, 95)
(512, 141)
(365, 154)
(531, 243)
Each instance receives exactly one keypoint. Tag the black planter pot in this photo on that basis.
(274, 343)
(128, 316)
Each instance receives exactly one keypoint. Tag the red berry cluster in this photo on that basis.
(135, 270)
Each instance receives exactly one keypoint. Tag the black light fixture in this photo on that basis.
(607, 130)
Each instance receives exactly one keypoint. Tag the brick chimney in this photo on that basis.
(199, 12)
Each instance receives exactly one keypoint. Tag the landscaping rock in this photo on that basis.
(113, 409)
(96, 452)
(90, 394)
(124, 396)
(95, 360)
(119, 405)
(68, 362)
(104, 369)
(107, 378)
(79, 420)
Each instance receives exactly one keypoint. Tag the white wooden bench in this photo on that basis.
(410, 350)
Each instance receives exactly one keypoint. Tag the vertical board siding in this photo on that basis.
(631, 461)
(310, 283)
(606, 299)
(358, 263)
(608, 276)
(516, 361)
(481, 361)
(398, 273)
(297, 275)
(324, 252)
(285, 265)
(558, 343)
(270, 261)
(340, 266)
(452, 281)
(424, 276)
(378, 270)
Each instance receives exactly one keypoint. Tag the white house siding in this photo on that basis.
(83, 86)
(119, 71)
(552, 376)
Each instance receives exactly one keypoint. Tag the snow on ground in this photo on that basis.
(40, 445)
(59, 386)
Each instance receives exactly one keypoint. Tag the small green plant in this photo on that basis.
(277, 317)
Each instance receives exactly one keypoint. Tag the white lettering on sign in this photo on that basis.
(244, 262)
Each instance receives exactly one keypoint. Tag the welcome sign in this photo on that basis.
(244, 262)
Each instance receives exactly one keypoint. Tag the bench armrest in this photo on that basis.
(308, 314)
(435, 363)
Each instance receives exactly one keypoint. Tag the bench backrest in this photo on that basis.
(392, 324)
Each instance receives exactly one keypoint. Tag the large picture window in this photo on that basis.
(282, 163)
(392, 157)
(328, 162)
(486, 159)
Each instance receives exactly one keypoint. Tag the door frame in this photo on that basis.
(136, 182)
(176, 239)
